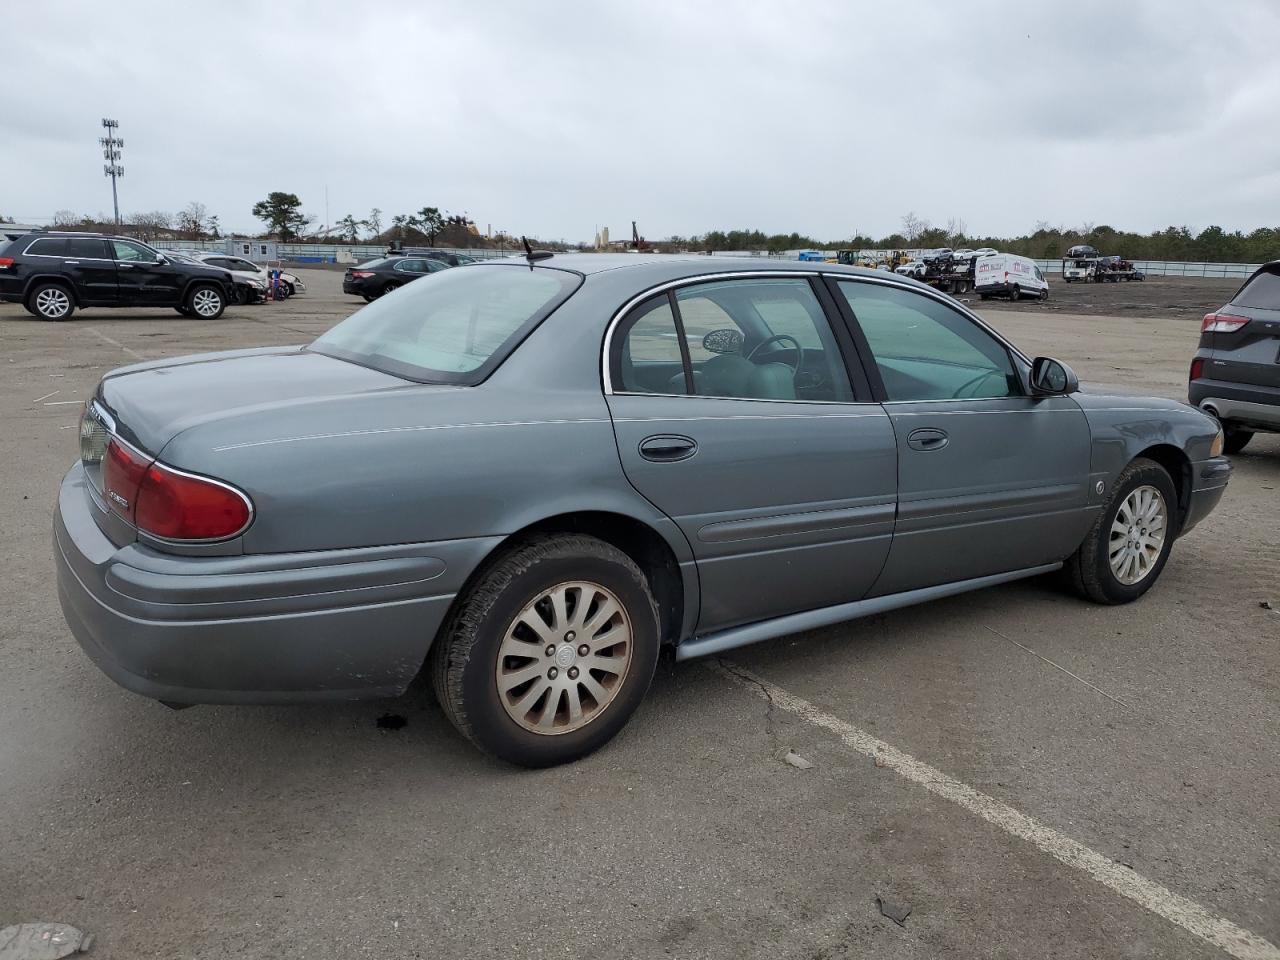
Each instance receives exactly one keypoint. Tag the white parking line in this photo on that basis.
(116, 343)
(1160, 900)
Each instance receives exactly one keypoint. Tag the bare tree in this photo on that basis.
(374, 222)
(65, 218)
(191, 221)
(955, 231)
(149, 225)
(913, 226)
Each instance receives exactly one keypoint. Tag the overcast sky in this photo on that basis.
(554, 118)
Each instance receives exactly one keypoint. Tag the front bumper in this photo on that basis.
(273, 628)
(1208, 483)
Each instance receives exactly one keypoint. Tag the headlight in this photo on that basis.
(1215, 448)
(257, 284)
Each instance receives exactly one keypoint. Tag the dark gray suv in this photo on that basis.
(1235, 375)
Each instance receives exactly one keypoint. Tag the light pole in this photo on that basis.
(111, 147)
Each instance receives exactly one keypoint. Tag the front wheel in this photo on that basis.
(206, 302)
(551, 651)
(1044, 294)
(1129, 543)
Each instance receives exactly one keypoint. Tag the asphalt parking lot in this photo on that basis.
(1148, 736)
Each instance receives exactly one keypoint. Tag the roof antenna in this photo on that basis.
(531, 254)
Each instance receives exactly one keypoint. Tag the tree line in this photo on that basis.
(1212, 244)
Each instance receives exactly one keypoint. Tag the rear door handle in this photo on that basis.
(668, 448)
(927, 438)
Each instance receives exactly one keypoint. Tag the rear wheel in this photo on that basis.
(1015, 293)
(205, 301)
(389, 288)
(368, 298)
(1129, 543)
(51, 301)
(551, 651)
(1236, 439)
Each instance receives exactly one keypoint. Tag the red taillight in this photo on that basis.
(182, 506)
(168, 503)
(122, 472)
(6, 263)
(1197, 368)
(361, 274)
(1221, 323)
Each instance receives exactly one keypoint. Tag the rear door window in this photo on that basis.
(1262, 292)
(87, 248)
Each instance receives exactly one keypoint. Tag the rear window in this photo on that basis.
(454, 326)
(1263, 292)
(369, 264)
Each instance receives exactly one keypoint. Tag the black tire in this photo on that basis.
(984, 296)
(368, 298)
(464, 662)
(389, 288)
(289, 289)
(211, 300)
(1235, 440)
(51, 301)
(1044, 294)
(1089, 568)
(1015, 293)
(184, 311)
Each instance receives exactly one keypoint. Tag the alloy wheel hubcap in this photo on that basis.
(1137, 535)
(52, 303)
(564, 657)
(206, 303)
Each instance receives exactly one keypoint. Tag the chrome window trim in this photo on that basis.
(627, 307)
(927, 291)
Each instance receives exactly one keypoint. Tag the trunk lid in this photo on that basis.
(151, 403)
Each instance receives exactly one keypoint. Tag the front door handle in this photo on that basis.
(668, 449)
(927, 438)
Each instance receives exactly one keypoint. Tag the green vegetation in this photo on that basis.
(282, 213)
(1213, 244)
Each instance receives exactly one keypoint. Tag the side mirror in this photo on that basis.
(161, 259)
(1052, 378)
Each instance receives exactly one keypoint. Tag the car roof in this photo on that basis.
(659, 266)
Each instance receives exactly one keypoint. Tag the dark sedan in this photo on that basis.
(525, 478)
(377, 277)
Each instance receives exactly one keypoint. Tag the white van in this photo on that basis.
(1005, 275)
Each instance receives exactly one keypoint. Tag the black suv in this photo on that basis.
(53, 273)
(1235, 375)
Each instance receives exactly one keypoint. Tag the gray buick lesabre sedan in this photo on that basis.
(528, 475)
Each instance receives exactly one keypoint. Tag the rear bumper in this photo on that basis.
(1208, 483)
(322, 625)
(1243, 404)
